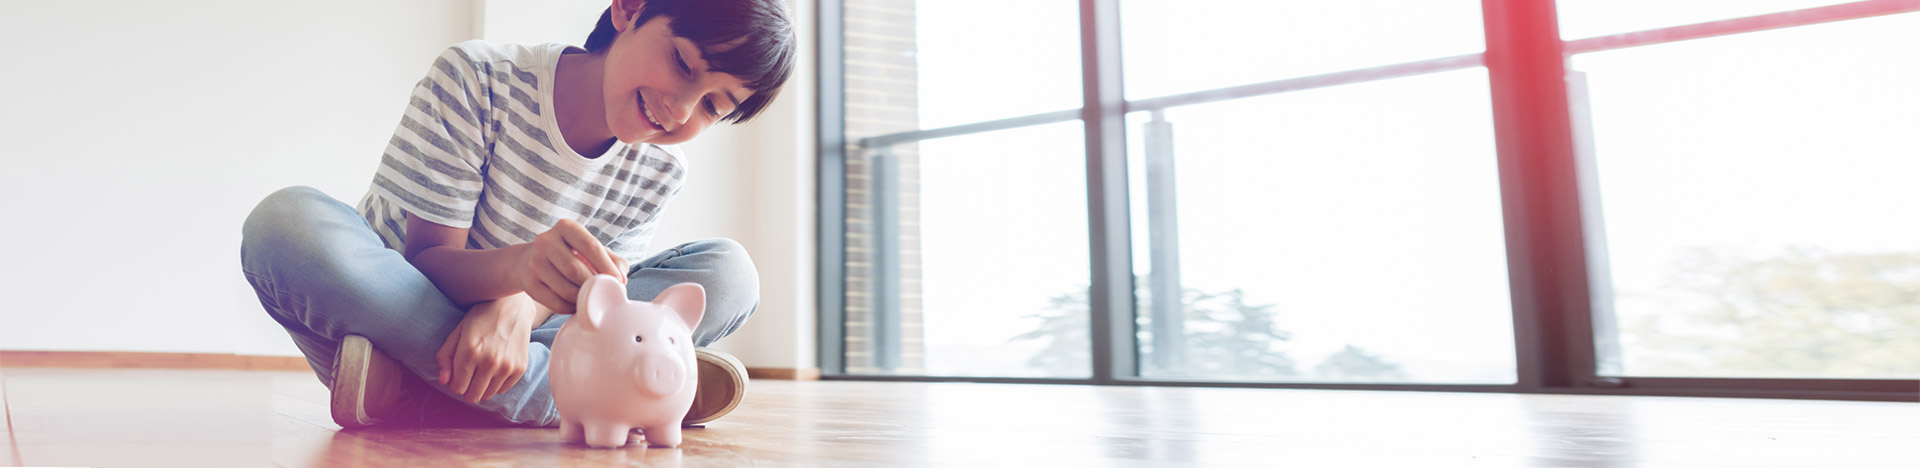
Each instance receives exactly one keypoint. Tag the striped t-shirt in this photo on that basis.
(479, 148)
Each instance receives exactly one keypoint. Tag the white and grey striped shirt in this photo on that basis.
(479, 148)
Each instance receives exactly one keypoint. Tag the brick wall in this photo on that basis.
(881, 97)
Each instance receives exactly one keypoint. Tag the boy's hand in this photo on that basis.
(558, 261)
(487, 353)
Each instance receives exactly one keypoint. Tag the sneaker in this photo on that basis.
(367, 385)
(723, 383)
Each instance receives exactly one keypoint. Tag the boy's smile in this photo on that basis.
(648, 113)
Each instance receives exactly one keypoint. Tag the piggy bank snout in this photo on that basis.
(659, 374)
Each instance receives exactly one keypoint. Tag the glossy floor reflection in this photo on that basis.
(102, 417)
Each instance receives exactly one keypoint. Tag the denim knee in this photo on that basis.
(288, 243)
(275, 225)
(733, 287)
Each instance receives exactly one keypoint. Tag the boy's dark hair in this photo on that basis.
(763, 59)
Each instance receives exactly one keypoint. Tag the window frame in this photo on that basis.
(1545, 197)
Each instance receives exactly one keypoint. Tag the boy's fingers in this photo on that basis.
(620, 263)
(558, 284)
(444, 358)
(499, 382)
(575, 272)
(497, 374)
(589, 248)
(481, 378)
(473, 385)
(558, 288)
(478, 389)
(512, 380)
(462, 372)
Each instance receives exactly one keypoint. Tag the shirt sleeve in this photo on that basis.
(434, 163)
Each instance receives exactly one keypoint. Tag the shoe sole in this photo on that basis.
(363, 376)
(720, 387)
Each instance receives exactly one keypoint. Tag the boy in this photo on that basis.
(515, 175)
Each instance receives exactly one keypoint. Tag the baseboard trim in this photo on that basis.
(139, 360)
(783, 373)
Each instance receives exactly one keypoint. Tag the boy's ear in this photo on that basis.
(687, 299)
(599, 296)
(625, 12)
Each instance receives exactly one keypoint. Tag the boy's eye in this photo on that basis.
(682, 61)
(708, 103)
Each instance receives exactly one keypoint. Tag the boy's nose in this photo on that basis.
(681, 108)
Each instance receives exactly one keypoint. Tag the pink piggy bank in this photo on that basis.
(620, 365)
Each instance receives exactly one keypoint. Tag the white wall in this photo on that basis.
(136, 135)
(536, 21)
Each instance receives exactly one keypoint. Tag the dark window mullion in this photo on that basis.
(1533, 136)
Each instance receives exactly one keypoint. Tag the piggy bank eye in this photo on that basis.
(670, 340)
(636, 339)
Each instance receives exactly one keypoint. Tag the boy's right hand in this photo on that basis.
(558, 261)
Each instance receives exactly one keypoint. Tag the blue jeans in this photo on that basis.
(322, 273)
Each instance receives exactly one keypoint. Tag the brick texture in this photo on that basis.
(882, 97)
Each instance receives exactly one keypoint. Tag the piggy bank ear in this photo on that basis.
(599, 296)
(687, 299)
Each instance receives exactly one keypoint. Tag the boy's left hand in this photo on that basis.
(487, 353)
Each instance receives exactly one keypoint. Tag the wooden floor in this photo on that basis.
(108, 417)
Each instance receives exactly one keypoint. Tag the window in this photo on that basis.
(1171, 47)
(1305, 247)
(1755, 193)
(1692, 198)
(960, 249)
(1003, 251)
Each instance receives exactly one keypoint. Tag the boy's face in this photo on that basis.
(658, 87)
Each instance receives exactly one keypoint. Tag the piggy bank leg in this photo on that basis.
(607, 435)
(663, 435)
(570, 431)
